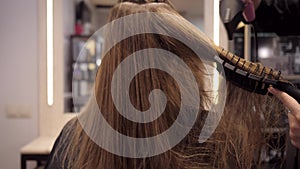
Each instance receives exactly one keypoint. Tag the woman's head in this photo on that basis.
(155, 49)
(127, 7)
(155, 31)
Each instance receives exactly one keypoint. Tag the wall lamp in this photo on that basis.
(50, 52)
(216, 22)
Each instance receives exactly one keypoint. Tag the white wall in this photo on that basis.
(18, 77)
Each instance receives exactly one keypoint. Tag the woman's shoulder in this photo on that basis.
(70, 124)
(54, 162)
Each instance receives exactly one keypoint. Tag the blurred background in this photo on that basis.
(34, 105)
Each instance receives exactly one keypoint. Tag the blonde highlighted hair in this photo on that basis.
(237, 141)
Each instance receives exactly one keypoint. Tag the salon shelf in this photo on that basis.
(82, 66)
(80, 36)
(103, 6)
(295, 77)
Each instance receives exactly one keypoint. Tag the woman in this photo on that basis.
(236, 143)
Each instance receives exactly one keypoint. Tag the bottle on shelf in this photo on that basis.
(83, 18)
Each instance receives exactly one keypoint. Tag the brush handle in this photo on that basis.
(289, 89)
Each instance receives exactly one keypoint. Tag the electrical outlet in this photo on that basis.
(11, 111)
(25, 111)
(18, 111)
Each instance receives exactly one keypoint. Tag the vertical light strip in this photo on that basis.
(50, 52)
(216, 84)
(216, 22)
(216, 78)
(216, 38)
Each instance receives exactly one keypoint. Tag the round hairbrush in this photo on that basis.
(254, 77)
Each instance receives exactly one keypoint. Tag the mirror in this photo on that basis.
(80, 20)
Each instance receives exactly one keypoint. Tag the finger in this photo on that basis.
(294, 130)
(296, 139)
(296, 144)
(294, 126)
(288, 101)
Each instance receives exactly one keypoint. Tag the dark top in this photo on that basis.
(55, 162)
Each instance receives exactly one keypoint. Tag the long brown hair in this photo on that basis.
(237, 141)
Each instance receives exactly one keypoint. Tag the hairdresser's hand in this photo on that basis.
(293, 115)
